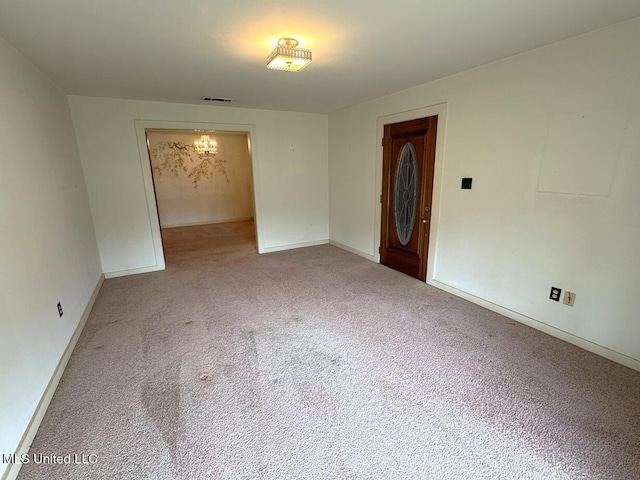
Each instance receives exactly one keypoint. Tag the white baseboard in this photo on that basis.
(134, 271)
(293, 245)
(543, 327)
(353, 250)
(25, 442)
(211, 222)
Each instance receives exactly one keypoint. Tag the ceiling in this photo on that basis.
(179, 51)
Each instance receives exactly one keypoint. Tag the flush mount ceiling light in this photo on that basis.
(205, 145)
(288, 57)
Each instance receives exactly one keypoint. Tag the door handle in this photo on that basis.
(424, 221)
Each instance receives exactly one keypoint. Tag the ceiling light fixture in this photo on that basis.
(205, 145)
(288, 57)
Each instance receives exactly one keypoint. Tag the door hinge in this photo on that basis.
(382, 142)
(380, 198)
(379, 249)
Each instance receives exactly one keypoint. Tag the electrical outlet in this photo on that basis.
(555, 294)
(569, 298)
(59, 309)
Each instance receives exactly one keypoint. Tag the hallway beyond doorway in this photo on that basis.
(182, 243)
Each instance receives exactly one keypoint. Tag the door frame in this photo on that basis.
(441, 111)
(145, 165)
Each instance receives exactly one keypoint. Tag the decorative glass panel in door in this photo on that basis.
(405, 196)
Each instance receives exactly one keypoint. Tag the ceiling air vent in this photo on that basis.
(217, 99)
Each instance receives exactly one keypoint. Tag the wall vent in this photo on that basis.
(217, 99)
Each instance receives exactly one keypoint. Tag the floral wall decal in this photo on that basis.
(220, 190)
(179, 157)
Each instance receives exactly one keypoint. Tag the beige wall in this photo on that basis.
(223, 197)
(289, 154)
(48, 251)
(552, 140)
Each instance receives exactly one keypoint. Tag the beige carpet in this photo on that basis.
(317, 364)
(231, 239)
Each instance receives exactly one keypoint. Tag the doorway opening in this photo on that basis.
(203, 192)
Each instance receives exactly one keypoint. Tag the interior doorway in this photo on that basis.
(203, 191)
(407, 191)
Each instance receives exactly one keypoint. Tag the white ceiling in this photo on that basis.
(179, 51)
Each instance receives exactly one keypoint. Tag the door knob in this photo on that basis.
(424, 221)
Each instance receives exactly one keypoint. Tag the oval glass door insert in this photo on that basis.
(405, 196)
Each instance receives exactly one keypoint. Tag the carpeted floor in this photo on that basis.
(231, 239)
(318, 364)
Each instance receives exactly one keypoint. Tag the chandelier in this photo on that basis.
(288, 57)
(205, 145)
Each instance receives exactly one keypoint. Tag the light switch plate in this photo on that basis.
(569, 298)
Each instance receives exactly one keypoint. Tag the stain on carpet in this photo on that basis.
(161, 403)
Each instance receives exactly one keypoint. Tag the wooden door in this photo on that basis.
(408, 165)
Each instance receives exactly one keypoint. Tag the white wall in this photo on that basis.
(224, 197)
(564, 118)
(290, 173)
(48, 251)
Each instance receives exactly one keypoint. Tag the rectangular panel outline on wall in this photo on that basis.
(561, 170)
(145, 165)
